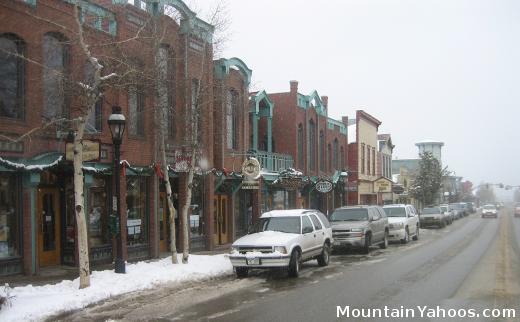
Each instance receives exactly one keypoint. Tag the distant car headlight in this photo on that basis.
(357, 230)
(280, 249)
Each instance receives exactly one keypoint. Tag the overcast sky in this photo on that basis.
(428, 69)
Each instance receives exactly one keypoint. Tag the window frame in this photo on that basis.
(21, 76)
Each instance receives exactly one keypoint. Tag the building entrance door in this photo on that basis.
(220, 219)
(49, 238)
(164, 223)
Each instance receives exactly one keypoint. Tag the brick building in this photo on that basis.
(296, 132)
(41, 66)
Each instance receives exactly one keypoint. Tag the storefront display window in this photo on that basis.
(97, 213)
(9, 216)
(196, 211)
(136, 210)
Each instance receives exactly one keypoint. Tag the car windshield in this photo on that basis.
(360, 214)
(455, 206)
(395, 211)
(444, 209)
(282, 224)
(431, 211)
(489, 207)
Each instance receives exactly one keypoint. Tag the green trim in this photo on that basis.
(332, 122)
(223, 66)
(34, 230)
(304, 101)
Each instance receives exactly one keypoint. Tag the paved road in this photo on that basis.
(470, 264)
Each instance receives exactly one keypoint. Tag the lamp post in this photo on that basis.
(116, 122)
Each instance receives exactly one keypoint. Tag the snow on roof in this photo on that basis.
(352, 133)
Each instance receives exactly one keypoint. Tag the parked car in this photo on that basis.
(517, 210)
(434, 216)
(458, 210)
(403, 222)
(489, 211)
(359, 227)
(283, 239)
(471, 207)
(450, 213)
(465, 209)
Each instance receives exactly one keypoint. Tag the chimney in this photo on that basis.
(325, 100)
(344, 119)
(294, 86)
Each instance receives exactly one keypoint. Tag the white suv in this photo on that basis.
(284, 238)
(403, 222)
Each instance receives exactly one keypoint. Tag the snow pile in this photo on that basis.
(38, 302)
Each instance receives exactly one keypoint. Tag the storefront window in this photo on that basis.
(9, 217)
(97, 213)
(276, 200)
(136, 210)
(196, 211)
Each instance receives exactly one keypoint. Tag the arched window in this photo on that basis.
(232, 120)
(95, 120)
(55, 61)
(335, 152)
(322, 151)
(12, 76)
(312, 145)
(342, 158)
(166, 63)
(300, 145)
(329, 156)
(136, 102)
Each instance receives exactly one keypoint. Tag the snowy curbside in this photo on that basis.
(34, 303)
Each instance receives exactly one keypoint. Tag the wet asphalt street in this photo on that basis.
(474, 263)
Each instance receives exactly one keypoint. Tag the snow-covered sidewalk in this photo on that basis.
(34, 303)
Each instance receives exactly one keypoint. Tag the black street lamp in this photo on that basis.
(116, 122)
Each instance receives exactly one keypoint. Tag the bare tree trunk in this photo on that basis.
(188, 187)
(171, 208)
(81, 223)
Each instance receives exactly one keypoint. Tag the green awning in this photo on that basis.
(100, 168)
(37, 163)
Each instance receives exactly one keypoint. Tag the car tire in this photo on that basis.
(323, 259)
(416, 236)
(384, 243)
(241, 272)
(294, 264)
(443, 224)
(368, 241)
(406, 238)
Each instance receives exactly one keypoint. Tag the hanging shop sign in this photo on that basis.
(91, 150)
(324, 186)
(251, 172)
(251, 169)
(398, 189)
